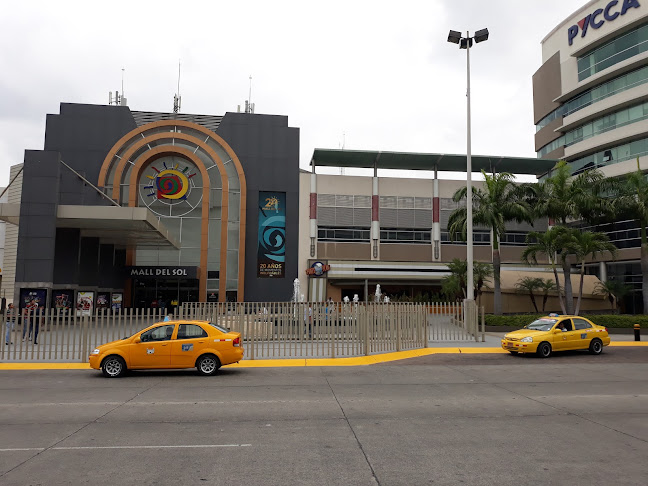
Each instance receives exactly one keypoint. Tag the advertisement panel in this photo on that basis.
(85, 302)
(32, 298)
(116, 302)
(103, 300)
(63, 300)
(271, 249)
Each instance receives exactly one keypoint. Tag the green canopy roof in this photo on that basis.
(365, 159)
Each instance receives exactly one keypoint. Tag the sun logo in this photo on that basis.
(272, 203)
(169, 183)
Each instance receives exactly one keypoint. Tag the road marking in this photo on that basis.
(81, 448)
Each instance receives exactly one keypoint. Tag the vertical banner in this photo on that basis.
(271, 252)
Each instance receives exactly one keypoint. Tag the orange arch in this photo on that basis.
(136, 173)
(108, 160)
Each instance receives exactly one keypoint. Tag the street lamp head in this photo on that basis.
(454, 37)
(466, 42)
(481, 35)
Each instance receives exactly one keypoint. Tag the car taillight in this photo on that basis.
(237, 341)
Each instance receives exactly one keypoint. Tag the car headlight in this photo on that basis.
(96, 351)
(528, 339)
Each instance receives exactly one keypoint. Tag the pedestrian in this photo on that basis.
(30, 320)
(10, 324)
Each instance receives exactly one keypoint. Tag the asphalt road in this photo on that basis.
(444, 419)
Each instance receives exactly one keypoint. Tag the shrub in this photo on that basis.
(611, 320)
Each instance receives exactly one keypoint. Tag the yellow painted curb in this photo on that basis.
(301, 362)
(44, 366)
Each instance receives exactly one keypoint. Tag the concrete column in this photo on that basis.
(436, 219)
(375, 217)
(603, 272)
(313, 213)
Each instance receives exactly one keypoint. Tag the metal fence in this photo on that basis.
(269, 330)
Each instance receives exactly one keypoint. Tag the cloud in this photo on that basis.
(379, 74)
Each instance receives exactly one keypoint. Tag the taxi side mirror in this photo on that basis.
(137, 340)
(557, 330)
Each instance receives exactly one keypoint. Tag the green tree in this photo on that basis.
(563, 198)
(528, 285)
(586, 244)
(551, 244)
(631, 201)
(500, 202)
(613, 290)
(546, 286)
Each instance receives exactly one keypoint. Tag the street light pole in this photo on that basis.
(466, 43)
(470, 290)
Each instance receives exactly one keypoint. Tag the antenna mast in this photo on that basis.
(119, 99)
(177, 99)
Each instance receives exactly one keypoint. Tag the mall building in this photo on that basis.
(141, 209)
(590, 99)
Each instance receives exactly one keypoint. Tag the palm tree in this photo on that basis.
(613, 290)
(632, 201)
(551, 244)
(482, 272)
(454, 285)
(563, 198)
(529, 285)
(585, 244)
(546, 286)
(501, 202)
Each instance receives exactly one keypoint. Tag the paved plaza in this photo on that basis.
(440, 419)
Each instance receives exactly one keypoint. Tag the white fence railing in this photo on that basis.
(269, 330)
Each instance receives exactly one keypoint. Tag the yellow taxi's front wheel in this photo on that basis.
(113, 366)
(208, 364)
(544, 350)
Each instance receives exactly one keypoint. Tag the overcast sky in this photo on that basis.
(376, 75)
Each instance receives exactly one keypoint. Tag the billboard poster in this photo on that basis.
(32, 298)
(103, 300)
(63, 300)
(116, 301)
(271, 249)
(85, 302)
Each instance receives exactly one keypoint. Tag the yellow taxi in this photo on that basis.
(171, 344)
(557, 333)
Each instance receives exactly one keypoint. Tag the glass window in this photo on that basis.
(190, 331)
(617, 50)
(160, 333)
(581, 324)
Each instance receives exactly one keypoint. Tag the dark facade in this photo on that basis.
(52, 256)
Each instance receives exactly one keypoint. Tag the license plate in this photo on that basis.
(510, 345)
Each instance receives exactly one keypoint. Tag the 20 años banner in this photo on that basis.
(271, 253)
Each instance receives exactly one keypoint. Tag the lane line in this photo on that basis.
(81, 448)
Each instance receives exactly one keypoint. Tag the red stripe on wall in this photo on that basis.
(313, 205)
(375, 209)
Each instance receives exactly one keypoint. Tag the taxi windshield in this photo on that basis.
(541, 324)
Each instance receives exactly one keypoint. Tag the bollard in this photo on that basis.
(637, 332)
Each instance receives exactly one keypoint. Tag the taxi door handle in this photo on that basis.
(201, 342)
(165, 344)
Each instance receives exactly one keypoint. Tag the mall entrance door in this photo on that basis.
(170, 293)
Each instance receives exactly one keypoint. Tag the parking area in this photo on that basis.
(441, 419)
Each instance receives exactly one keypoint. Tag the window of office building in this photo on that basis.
(617, 50)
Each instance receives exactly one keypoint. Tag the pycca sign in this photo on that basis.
(597, 18)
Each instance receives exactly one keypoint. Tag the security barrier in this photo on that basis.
(268, 330)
